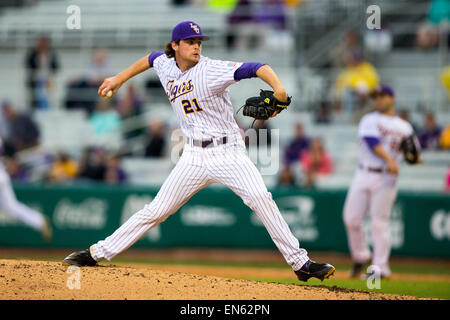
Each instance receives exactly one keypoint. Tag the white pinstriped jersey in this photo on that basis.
(200, 95)
(200, 98)
(390, 130)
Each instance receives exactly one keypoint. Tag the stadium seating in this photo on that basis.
(130, 29)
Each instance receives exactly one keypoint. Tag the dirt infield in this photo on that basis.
(27, 279)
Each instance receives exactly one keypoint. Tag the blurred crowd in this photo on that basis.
(251, 24)
(96, 164)
(120, 117)
(305, 158)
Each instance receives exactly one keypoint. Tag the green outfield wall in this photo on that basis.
(216, 217)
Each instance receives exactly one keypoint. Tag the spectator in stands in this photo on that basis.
(81, 92)
(429, 33)
(271, 13)
(99, 68)
(113, 172)
(104, 119)
(156, 140)
(286, 177)
(130, 107)
(439, 11)
(15, 170)
(241, 26)
(430, 134)
(92, 165)
(21, 131)
(315, 161)
(445, 138)
(427, 37)
(289, 175)
(41, 65)
(351, 43)
(64, 168)
(296, 146)
(445, 80)
(354, 84)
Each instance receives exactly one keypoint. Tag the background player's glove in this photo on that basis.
(410, 150)
(264, 106)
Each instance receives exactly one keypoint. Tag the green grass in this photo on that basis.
(424, 289)
(417, 268)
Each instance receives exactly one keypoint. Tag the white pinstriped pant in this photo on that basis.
(226, 164)
(374, 193)
(11, 206)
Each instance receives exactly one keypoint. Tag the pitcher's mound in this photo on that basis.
(24, 279)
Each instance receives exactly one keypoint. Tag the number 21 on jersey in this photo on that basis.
(191, 107)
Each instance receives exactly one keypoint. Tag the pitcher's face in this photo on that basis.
(188, 50)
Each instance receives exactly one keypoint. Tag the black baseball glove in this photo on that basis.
(264, 106)
(410, 148)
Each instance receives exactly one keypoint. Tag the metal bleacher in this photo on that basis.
(115, 22)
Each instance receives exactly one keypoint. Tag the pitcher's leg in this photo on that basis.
(380, 211)
(183, 182)
(355, 209)
(8, 201)
(240, 175)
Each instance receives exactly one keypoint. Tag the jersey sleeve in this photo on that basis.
(368, 127)
(153, 56)
(247, 70)
(220, 74)
(157, 59)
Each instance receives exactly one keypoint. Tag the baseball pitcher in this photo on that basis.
(197, 88)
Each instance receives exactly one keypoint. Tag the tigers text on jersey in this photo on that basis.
(200, 95)
(390, 130)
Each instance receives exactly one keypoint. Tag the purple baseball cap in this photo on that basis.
(186, 30)
(383, 90)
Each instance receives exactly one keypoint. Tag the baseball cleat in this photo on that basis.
(357, 269)
(80, 259)
(312, 269)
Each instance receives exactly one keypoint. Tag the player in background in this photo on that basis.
(10, 205)
(374, 186)
(197, 88)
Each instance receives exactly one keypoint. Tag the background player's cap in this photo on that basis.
(383, 90)
(186, 30)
